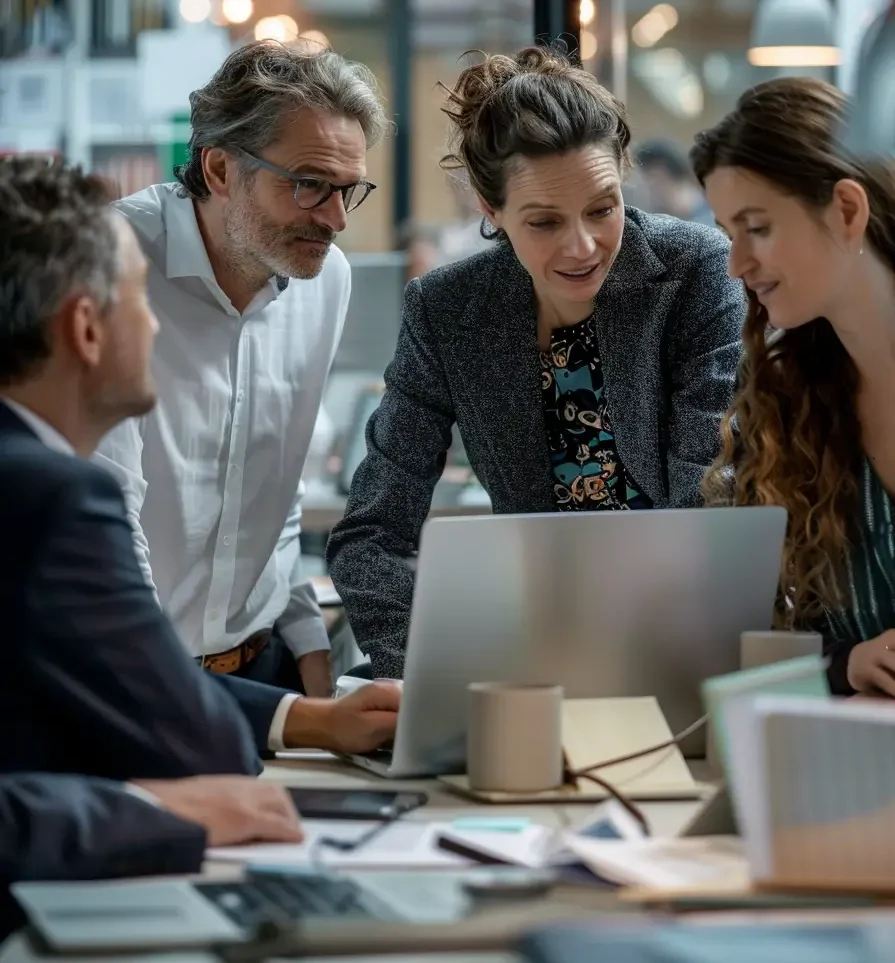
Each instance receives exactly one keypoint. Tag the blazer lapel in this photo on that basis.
(635, 382)
(495, 356)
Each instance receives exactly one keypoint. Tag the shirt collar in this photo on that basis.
(45, 432)
(186, 255)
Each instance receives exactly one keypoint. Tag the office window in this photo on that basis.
(116, 24)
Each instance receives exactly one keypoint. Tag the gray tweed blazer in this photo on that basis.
(668, 320)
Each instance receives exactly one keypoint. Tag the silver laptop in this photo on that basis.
(606, 604)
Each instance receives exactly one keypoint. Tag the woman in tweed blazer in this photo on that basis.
(586, 359)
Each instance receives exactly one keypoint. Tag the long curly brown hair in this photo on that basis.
(792, 436)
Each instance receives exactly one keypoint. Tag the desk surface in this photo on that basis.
(322, 771)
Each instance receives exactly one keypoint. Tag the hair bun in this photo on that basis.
(478, 83)
(535, 103)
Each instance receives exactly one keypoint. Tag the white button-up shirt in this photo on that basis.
(212, 477)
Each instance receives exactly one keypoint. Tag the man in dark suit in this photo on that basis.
(56, 827)
(94, 679)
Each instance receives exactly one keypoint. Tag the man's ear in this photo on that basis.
(79, 325)
(219, 169)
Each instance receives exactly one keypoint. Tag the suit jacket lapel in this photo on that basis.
(495, 354)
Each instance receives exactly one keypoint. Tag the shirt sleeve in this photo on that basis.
(276, 737)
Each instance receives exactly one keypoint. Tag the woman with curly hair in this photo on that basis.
(813, 425)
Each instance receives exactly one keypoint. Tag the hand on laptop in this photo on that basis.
(358, 722)
(233, 809)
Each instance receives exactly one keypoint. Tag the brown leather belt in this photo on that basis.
(239, 656)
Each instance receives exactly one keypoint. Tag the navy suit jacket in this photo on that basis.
(69, 827)
(94, 679)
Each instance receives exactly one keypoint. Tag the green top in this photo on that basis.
(869, 608)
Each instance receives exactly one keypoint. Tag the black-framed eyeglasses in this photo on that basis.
(311, 192)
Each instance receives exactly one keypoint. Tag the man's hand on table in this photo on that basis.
(358, 722)
(232, 809)
(316, 673)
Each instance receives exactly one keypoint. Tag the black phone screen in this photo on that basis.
(354, 803)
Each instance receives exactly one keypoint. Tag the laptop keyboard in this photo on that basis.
(287, 897)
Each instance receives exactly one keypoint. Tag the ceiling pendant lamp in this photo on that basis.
(794, 33)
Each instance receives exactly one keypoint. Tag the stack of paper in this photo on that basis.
(815, 785)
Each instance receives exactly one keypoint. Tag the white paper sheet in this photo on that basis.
(403, 844)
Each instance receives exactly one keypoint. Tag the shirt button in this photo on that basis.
(239, 397)
(234, 466)
(226, 539)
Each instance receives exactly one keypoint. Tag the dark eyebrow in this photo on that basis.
(310, 170)
(612, 193)
(303, 170)
(742, 214)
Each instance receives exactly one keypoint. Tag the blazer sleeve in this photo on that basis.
(71, 827)
(103, 653)
(408, 437)
(704, 353)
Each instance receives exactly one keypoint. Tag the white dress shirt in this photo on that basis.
(212, 477)
(53, 439)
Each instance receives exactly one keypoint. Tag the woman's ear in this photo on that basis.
(850, 209)
(490, 213)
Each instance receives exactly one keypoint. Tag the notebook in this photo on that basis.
(816, 787)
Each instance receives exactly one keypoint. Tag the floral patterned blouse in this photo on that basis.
(587, 471)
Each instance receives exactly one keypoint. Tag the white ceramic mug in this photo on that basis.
(514, 741)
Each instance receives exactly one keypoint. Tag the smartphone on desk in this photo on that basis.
(355, 803)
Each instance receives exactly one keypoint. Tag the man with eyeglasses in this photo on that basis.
(251, 296)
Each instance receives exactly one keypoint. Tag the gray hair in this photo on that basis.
(244, 102)
(57, 241)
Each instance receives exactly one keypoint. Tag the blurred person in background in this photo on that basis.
(251, 294)
(668, 183)
(587, 357)
(813, 426)
(459, 239)
(62, 827)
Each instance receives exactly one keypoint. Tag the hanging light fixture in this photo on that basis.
(794, 33)
(871, 130)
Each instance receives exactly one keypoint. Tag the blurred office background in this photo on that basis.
(105, 83)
